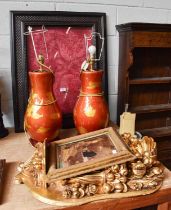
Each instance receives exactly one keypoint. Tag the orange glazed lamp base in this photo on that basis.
(43, 118)
(91, 111)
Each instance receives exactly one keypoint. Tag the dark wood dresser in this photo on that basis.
(145, 81)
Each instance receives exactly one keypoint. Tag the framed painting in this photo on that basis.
(85, 153)
(65, 49)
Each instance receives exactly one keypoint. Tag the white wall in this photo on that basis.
(118, 11)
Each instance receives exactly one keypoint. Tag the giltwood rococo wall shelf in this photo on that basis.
(78, 168)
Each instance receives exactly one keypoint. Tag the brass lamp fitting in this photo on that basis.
(92, 51)
(41, 61)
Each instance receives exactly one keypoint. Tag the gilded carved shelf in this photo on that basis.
(139, 174)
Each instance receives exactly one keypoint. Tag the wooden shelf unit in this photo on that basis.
(157, 132)
(150, 108)
(154, 80)
(145, 80)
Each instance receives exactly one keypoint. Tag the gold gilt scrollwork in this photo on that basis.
(143, 173)
(34, 168)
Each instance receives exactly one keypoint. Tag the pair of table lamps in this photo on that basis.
(43, 118)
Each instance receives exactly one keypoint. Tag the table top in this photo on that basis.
(16, 148)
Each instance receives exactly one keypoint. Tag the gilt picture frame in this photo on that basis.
(86, 153)
(20, 54)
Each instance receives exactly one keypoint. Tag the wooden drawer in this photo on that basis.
(151, 39)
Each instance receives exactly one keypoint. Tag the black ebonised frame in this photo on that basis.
(20, 20)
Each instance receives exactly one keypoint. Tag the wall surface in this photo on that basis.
(117, 11)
